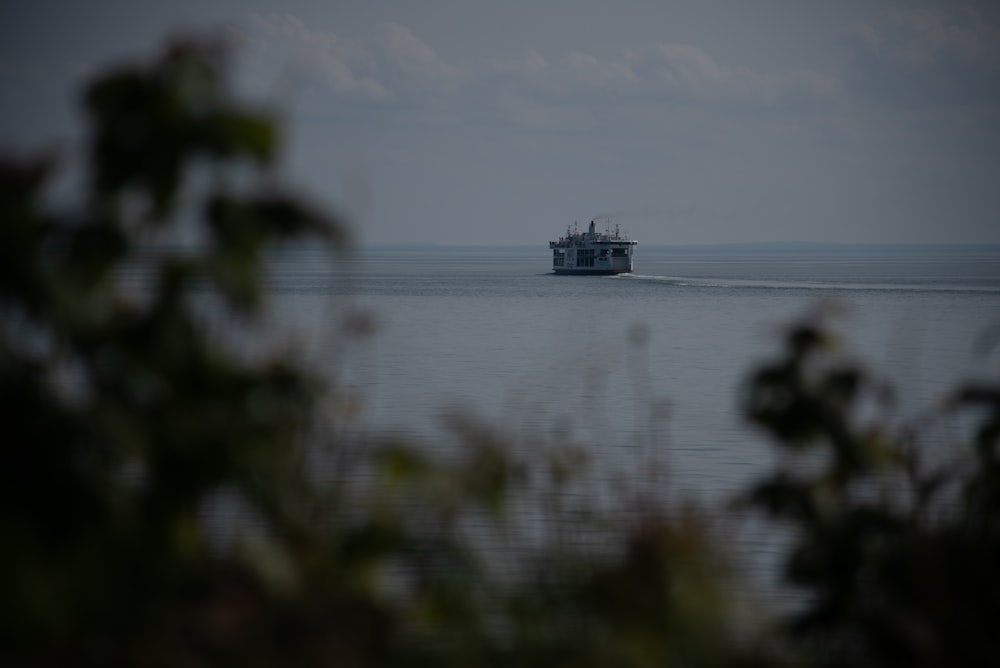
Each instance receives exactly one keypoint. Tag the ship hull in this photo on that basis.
(590, 272)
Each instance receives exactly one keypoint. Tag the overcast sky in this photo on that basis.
(500, 123)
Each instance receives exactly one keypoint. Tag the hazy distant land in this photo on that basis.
(758, 248)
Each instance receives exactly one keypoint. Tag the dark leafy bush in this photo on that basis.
(128, 421)
(896, 556)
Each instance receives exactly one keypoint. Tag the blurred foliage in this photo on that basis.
(131, 424)
(897, 537)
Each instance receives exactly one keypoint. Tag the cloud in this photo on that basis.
(284, 57)
(685, 73)
(925, 57)
(530, 63)
(663, 73)
(394, 69)
(415, 61)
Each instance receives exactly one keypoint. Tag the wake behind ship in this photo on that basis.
(591, 252)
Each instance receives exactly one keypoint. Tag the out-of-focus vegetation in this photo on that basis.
(130, 423)
(897, 543)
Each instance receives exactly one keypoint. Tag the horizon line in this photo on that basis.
(992, 247)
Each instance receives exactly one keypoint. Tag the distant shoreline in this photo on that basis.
(745, 249)
(755, 248)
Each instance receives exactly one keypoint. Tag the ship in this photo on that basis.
(593, 253)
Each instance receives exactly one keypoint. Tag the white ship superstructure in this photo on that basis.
(593, 252)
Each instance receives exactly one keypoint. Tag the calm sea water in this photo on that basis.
(658, 355)
(648, 365)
